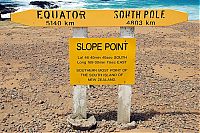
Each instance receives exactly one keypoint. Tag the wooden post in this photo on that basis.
(79, 94)
(125, 91)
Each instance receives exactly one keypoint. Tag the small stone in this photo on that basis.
(68, 126)
(117, 130)
(41, 102)
(112, 129)
(103, 120)
(79, 123)
(128, 126)
(1, 106)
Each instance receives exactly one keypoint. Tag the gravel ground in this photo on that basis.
(35, 95)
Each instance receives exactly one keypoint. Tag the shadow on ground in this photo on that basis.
(112, 115)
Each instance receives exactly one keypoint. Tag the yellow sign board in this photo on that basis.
(87, 18)
(101, 61)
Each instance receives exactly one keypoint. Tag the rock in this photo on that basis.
(112, 129)
(4, 9)
(12, 5)
(78, 123)
(103, 120)
(68, 126)
(128, 126)
(8, 10)
(2, 106)
(44, 4)
(41, 102)
(117, 130)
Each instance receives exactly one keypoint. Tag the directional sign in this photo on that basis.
(87, 18)
(98, 61)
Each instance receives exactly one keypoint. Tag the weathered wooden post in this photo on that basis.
(125, 91)
(79, 94)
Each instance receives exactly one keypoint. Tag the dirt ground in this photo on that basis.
(35, 94)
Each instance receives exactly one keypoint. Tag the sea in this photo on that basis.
(190, 6)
